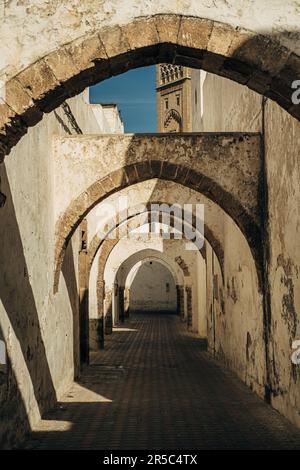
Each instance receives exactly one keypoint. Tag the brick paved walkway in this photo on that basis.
(156, 388)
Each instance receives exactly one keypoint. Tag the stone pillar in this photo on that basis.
(83, 296)
(96, 330)
(189, 300)
(121, 304)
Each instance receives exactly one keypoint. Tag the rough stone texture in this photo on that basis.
(119, 45)
(230, 161)
(40, 330)
(61, 22)
(252, 44)
(38, 80)
(194, 33)
(246, 111)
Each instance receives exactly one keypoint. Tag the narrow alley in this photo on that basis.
(149, 225)
(155, 387)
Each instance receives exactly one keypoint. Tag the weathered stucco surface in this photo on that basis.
(230, 307)
(225, 167)
(59, 70)
(40, 330)
(33, 322)
(231, 162)
(246, 110)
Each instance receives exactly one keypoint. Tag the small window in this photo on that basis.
(196, 97)
(167, 103)
(167, 287)
(83, 241)
(178, 100)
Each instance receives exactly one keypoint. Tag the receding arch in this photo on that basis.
(143, 171)
(159, 260)
(109, 244)
(142, 303)
(256, 60)
(106, 249)
(209, 235)
(145, 254)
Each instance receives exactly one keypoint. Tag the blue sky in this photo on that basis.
(134, 93)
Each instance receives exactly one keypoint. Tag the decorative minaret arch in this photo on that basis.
(173, 89)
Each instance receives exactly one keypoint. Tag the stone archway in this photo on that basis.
(156, 293)
(225, 168)
(109, 244)
(209, 235)
(44, 77)
(125, 267)
(258, 61)
(105, 248)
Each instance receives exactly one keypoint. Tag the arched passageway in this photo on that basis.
(110, 287)
(258, 61)
(110, 280)
(46, 198)
(166, 271)
(224, 168)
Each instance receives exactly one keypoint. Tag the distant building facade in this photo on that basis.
(179, 98)
(173, 86)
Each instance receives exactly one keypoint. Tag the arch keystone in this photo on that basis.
(168, 28)
(195, 33)
(141, 34)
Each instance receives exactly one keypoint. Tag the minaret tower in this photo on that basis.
(173, 90)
